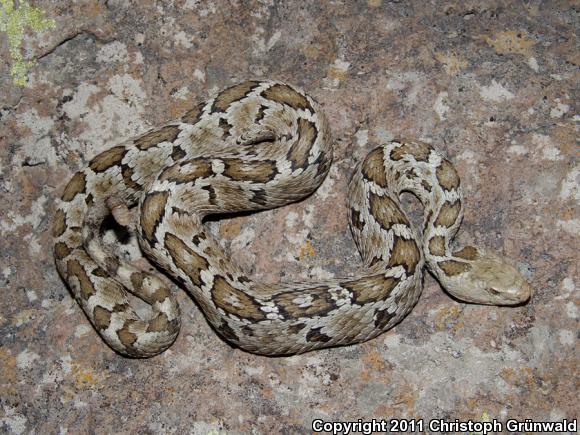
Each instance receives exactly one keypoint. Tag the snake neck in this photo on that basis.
(471, 274)
(416, 168)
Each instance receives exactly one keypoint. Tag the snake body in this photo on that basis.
(259, 145)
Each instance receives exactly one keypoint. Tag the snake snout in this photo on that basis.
(516, 294)
(501, 283)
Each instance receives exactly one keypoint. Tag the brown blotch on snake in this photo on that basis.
(372, 167)
(260, 197)
(127, 173)
(232, 94)
(178, 153)
(111, 265)
(137, 280)
(448, 214)
(187, 171)
(127, 337)
(164, 134)
(159, 323)
(286, 95)
(386, 211)
(101, 273)
(447, 175)
(452, 267)
(467, 253)
(227, 332)
(160, 294)
(226, 127)
(58, 223)
(192, 116)
(260, 114)
(61, 250)
(234, 301)
(211, 195)
(108, 159)
(383, 317)
(319, 302)
(298, 154)
(75, 186)
(315, 335)
(86, 287)
(437, 246)
(102, 317)
(356, 220)
(405, 253)
(257, 171)
(185, 258)
(371, 288)
(297, 327)
(420, 151)
(152, 210)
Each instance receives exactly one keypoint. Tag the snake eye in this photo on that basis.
(493, 291)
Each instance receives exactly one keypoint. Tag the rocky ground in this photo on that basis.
(493, 84)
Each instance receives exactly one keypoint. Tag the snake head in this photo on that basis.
(490, 280)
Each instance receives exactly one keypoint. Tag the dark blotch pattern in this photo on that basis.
(315, 335)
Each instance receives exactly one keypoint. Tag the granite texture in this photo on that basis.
(493, 84)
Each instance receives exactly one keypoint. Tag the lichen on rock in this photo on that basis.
(14, 21)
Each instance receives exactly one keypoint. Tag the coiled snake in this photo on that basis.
(259, 145)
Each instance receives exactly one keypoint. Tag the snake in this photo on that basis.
(258, 145)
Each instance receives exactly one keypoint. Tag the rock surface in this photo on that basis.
(493, 84)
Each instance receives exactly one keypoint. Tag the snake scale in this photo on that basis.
(259, 145)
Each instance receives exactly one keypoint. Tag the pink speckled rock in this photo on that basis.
(493, 84)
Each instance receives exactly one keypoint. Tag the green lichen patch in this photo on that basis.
(14, 21)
